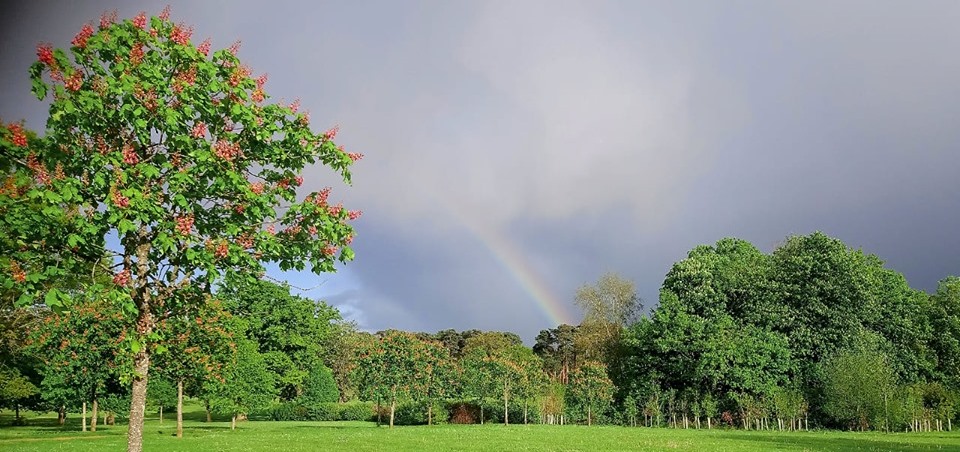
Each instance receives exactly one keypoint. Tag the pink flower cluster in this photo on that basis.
(108, 18)
(204, 47)
(80, 40)
(181, 34)
(119, 200)
(19, 138)
(75, 81)
(141, 20)
(199, 130)
(184, 224)
(130, 156)
(354, 214)
(122, 278)
(45, 54)
(226, 150)
(329, 135)
(256, 187)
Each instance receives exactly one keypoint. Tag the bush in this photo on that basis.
(415, 413)
(356, 411)
(322, 412)
(287, 411)
(319, 387)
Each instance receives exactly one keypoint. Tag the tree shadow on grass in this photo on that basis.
(815, 442)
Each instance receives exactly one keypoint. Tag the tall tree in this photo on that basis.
(591, 389)
(289, 330)
(247, 384)
(171, 149)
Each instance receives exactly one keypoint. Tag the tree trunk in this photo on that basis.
(379, 409)
(93, 416)
(708, 423)
(524, 412)
(161, 413)
(84, 415)
(138, 397)
(481, 412)
(16, 408)
(62, 415)
(233, 422)
(179, 408)
(506, 414)
(141, 359)
(589, 415)
(393, 408)
(429, 413)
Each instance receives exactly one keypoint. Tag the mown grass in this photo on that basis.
(42, 434)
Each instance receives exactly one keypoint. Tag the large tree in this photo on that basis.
(171, 149)
(290, 330)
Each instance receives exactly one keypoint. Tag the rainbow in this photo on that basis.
(516, 265)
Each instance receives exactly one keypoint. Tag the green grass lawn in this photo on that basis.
(42, 434)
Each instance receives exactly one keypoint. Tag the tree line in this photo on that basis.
(812, 335)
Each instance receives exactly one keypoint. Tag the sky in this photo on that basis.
(516, 150)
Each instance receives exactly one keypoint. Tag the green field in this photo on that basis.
(42, 434)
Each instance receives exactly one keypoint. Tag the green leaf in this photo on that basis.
(52, 298)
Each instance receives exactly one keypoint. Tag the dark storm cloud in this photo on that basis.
(591, 136)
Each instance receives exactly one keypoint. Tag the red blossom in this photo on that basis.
(199, 130)
(329, 250)
(181, 34)
(349, 239)
(80, 40)
(298, 181)
(108, 18)
(122, 278)
(17, 273)
(141, 20)
(261, 80)
(235, 47)
(271, 229)
(329, 135)
(184, 224)
(222, 250)
(136, 54)
(256, 187)
(130, 156)
(165, 14)
(354, 214)
(19, 138)
(312, 229)
(335, 210)
(226, 150)
(258, 96)
(295, 106)
(245, 241)
(45, 54)
(75, 81)
(204, 47)
(354, 156)
(120, 201)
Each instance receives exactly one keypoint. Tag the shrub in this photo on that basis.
(288, 411)
(319, 387)
(356, 411)
(415, 413)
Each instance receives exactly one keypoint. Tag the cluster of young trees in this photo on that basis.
(815, 331)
